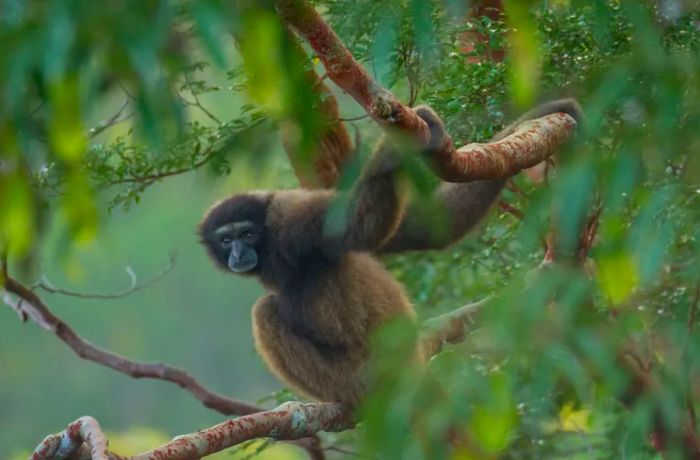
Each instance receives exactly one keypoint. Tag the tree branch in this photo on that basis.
(530, 144)
(47, 286)
(292, 420)
(38, 311)
(83, 438)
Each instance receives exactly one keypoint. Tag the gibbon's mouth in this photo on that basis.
(243, 266)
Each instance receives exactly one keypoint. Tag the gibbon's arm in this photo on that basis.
(464, 204)
(376, 205)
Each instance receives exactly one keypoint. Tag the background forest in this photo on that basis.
(122, 122)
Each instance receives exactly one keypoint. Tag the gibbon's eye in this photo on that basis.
(248, 235)
(226, 240)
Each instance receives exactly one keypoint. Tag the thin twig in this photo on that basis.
(113, 120)
(357, 118)
(47, 286)
(197, 103)
(513, 187)
(207, 156)
(510, 209)
(36, 109)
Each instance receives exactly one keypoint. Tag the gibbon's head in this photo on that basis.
(233, 232)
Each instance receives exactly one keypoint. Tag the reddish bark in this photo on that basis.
(83, 438)
(492, 9)
(526, 147)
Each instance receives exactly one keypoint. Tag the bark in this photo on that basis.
(526, 147)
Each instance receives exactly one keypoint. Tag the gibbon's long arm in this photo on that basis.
(463, 204)
(376, 205)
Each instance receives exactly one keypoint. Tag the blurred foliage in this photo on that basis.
(539, 379)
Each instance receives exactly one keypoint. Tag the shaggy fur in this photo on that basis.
(327, 292)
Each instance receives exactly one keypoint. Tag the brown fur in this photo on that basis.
(328, 293)
(350, 302)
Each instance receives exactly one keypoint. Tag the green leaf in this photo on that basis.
(524, 53)
(66, 129)
(211, 28)
(262, 58)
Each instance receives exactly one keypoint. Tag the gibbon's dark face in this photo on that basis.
(233, 231)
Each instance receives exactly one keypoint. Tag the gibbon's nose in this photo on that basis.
(236, 251)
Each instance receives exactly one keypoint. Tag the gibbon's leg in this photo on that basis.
(323, 375)
(466, 203)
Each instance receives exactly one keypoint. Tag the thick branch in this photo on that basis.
(292, 420)
(526, 147)
(341, 67)
(82, 439)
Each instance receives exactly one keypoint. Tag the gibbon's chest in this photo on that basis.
(359, 286)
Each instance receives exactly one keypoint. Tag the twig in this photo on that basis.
(357, 118)
(113, 120)
(197, 103)
(209, 153)
(36, 109)
(509, 208)
(513, 187)
(47, 286)
(291, 420)
(589, 232)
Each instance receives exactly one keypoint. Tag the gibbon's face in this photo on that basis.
(233, 232)
(238, 240)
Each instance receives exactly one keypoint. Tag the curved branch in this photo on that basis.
(39, 312)
(82, 437)
(341, 67)
(529, 145)
(292, 420)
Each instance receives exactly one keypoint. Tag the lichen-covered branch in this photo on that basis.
(83, 440)
(527, 146)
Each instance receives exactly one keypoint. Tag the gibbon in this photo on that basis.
(327, 291)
